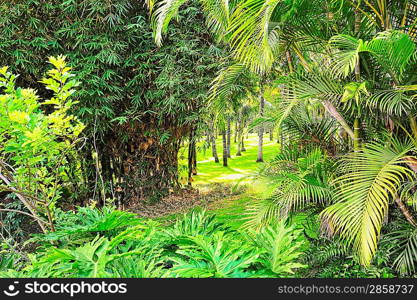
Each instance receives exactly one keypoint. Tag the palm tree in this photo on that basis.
(361, 76)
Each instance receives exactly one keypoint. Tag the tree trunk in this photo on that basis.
(239, 137)
(214, 147)
(261, 129)
(235, 139)
(228, 137)
(191, 157)
(225, 156)
(194, 159)
(146, 169)
(356, 125)
(243, 143)
(405, 211)
(356, 133)
(271, 135)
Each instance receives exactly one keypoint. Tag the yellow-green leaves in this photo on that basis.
(346, 54)
(250, 36)
(34, 142)
(370, 182)
(355, 91)
(20, 117)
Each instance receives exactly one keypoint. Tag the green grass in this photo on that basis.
(230, 210)
(239, 167)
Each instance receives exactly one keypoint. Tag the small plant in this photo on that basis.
(89, 260)
(85, 223)
(279, 248)
(216, 256)
(34, 144)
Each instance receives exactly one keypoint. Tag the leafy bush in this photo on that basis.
(279, 249)
(195, 246)
(75, 227)
(297, 178)
(34, 144)
(88, 260)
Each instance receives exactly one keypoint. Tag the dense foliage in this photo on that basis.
(109, 243)
(332, 82)
(138, 102)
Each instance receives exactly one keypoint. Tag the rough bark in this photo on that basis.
(143, 167)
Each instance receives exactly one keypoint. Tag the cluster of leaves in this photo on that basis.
(133, 92)
(111, 243)
(296, 178)
(33, 144)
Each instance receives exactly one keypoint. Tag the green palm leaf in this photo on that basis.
(216, 12)
(250, 34)
(372, 178)
(404, 248)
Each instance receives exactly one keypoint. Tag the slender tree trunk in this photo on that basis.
(191, 150)
(261, 129)
(356, 133)
(194, 158)
(228, 137)
(214, 149)
(405, 211)
(289, 61)
(357, 123)
(239, 137)
(271, 135)
(224, 148)
(236, 131)
(213, 135)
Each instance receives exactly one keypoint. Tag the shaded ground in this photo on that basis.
(225, 191)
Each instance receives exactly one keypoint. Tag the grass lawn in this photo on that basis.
(240, 167)
(230, 210)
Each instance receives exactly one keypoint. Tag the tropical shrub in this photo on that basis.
(146, 249)
(296, 179)
(280, 247)
(34, 145)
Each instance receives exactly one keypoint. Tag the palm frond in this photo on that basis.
(162, 16)
(394, 51)
(296, 182)
(403, 246)
(372, 178)
(216, 14)
(346, 56)
(250, 34)
(391, 102)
